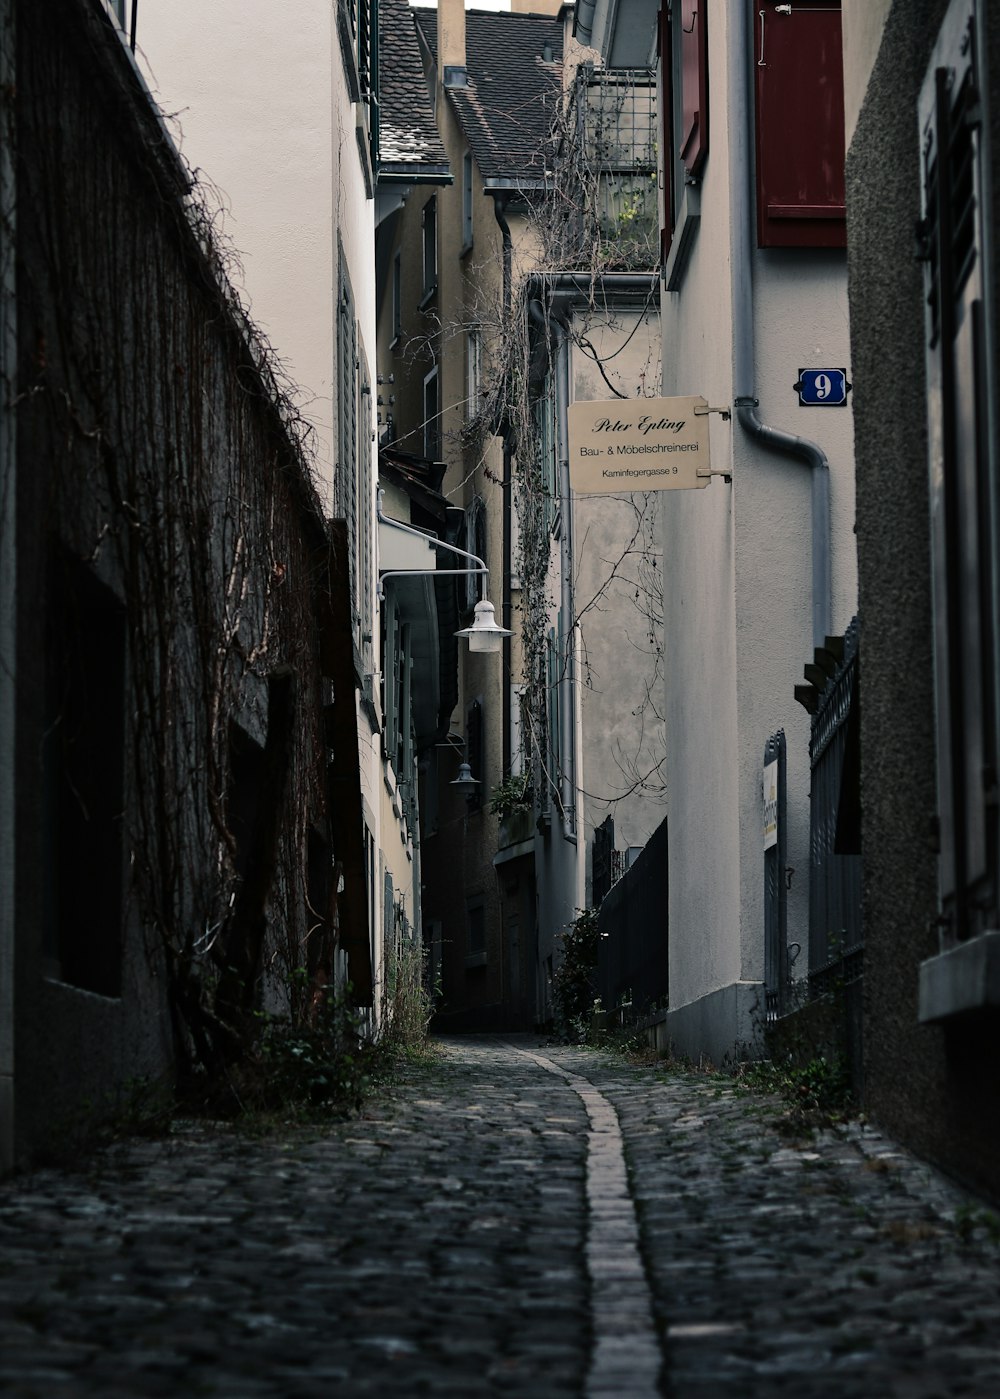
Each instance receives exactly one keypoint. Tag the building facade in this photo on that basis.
(922, 86)
(283, 118)
(181, 851)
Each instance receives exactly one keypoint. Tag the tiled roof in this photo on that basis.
(513, 87)
(408, 136)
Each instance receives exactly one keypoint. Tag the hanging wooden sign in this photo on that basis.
(638, 444)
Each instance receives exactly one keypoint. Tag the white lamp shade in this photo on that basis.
(484, 634)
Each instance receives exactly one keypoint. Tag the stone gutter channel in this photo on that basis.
(626, 1356)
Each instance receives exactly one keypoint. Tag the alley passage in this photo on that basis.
(477, 1234)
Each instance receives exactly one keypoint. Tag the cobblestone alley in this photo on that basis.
(515, 1219)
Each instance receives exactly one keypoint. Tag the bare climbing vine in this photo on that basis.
(597, 215)
(171, 458)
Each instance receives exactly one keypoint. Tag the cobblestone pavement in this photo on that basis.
(476, 1233)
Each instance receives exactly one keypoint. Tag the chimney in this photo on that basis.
(451, 43)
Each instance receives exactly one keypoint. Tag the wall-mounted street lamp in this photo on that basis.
(484, 635)
(465, 782)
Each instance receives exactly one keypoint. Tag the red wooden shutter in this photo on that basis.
(800, 124)
(693, 134)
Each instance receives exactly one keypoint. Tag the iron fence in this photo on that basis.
(632, 949)
(835, 933)
(777, 967)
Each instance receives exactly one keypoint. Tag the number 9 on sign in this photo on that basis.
(822, 388)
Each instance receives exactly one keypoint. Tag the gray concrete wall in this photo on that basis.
(8, 579)
(937, 1089)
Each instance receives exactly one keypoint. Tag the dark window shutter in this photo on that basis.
(666, 100)
(693, 135)
(961, 481)
(800, 125)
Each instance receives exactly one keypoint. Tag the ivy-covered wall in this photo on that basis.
(176, 585)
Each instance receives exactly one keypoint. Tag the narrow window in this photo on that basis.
(475, 543)
(683, 98)
(83, 778)
(467, 201)
(365, 561)
(397, 297)
(432, 416)
(430, 246)
(347, 493)
(473, 371)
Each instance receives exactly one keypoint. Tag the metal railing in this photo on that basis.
(777, 965)
(835, 933)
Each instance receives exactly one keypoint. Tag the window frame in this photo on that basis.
(429, 248)
(473, 372)
(681, 183)
(432, 417)
(397, 298)
(468, 207)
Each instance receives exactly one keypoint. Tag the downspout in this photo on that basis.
(741, 165)
(507, 487)
(568, 682)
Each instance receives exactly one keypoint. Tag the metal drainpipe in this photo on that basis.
(741, 164)
(567, 759)
(506, 610)
(566, 586)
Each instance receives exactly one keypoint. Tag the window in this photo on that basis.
(432, 416)
(473, 373)
(467, 201)
(366, 507)
(800, 125)
(396, 694)
(475, 543)
(347, 493)
(554, 712)
(962, 483)
(355, 31)
(430, 246)
(692, 133)
(518, 756)
(397, 297)
(545, 441)
(475, 946)
(683, 45)
(83, 778)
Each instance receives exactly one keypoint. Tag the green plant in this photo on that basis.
(817, 1092)
(316, 1066)
(510, 795)
(573, 984)
(408, 1000)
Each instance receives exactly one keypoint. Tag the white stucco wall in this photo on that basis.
(738, 586)
(263, 116)
(620, 685)
(863, 23)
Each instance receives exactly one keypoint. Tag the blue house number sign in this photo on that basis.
(822, 388)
